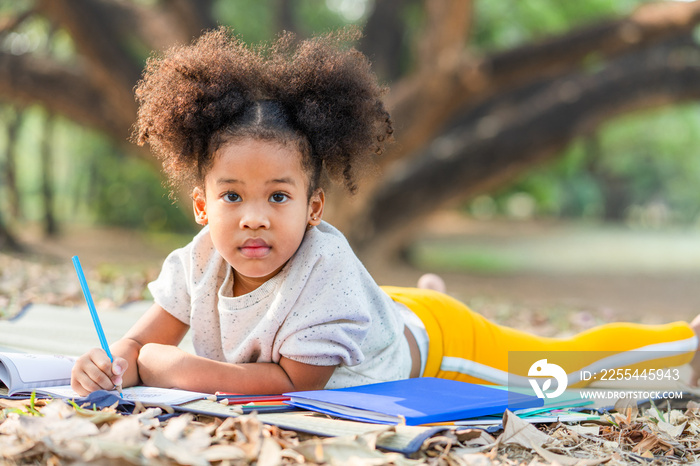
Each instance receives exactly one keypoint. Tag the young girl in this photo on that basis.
(274, 297)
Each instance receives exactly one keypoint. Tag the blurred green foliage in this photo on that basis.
(254, 21)
(93, 182)
(505, 24)
(648, 162)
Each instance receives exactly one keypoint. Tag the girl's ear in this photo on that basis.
(199, 202)
(318, 199)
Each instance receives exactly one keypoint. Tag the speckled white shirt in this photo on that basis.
(322, 308)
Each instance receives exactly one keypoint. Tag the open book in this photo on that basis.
(49, 375)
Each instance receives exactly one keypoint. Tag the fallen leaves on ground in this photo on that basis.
(57, 432)
(24, 281)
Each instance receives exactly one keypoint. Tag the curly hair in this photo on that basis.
(318, 94)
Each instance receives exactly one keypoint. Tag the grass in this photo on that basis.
(462, 257)
(558, 249)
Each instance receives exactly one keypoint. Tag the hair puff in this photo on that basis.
(192, 93)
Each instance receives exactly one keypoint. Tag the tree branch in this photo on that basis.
(481, 151)
(62, 89)
(154, 25)
(108, 64)
(193, 16)
(445, 31)
(445, 34)
(421, 104)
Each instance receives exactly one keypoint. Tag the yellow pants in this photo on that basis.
(465, 346)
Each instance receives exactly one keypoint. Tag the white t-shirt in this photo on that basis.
(322, 308)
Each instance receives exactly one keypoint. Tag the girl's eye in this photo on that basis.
(232, 197)
(278, 198)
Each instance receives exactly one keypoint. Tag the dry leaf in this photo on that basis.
(175, 428)
(14, 404)
(628, 409)
(520, 432)
(370, 438)
(693, 407)
(250, 430)
(651, 442)
(341, 451)
(161, 446)
(223, 453)
(517, 431)
(584, 429)
(54, 429)
(148, 414)
(270, 453)
(568, 460)
(466, 435)
(673, 431)
(11, 446)
(475, 459)
(126, 431)
(98, 448)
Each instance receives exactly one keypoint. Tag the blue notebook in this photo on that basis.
(420, 401)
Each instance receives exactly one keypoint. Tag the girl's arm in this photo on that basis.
(147, 355)
(170, 367)
(94, 371)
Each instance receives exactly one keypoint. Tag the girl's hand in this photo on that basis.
(94, 371)
(160, 365)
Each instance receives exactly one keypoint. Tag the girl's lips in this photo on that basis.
(254, 248)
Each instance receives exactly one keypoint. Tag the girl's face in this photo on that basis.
(255, 202)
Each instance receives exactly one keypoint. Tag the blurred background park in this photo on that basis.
(547, 155)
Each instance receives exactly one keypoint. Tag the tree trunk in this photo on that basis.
(382, 40)
(13, 196)
(614, 188)
(47, 183)
(284, 17)
(7, 240)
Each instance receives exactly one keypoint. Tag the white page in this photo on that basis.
(167, 396)
(36, 368)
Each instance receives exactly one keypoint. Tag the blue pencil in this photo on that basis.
(93, 312)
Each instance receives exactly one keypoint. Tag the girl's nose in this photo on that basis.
(254, 219)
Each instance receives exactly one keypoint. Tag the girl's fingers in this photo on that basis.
(92, 372)
(84, 385)
(100, 379)
(119, 367)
